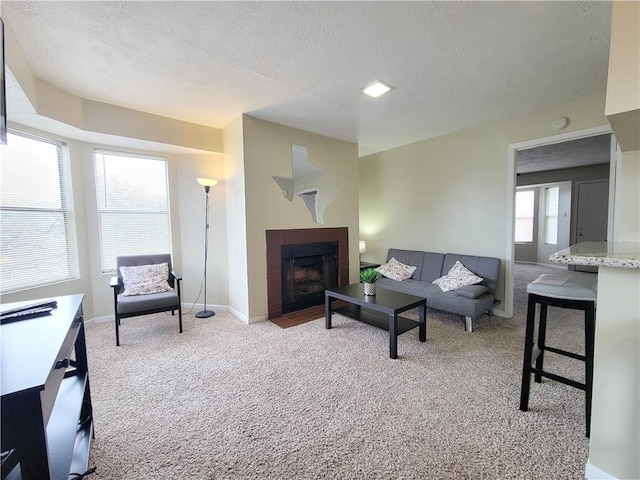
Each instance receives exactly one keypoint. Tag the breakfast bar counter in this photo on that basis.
(600, 254)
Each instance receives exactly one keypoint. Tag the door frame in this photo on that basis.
(511, 194)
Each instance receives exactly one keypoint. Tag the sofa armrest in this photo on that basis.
(176, 275)
(114, 282)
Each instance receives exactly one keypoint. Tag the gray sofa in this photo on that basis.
(430, 266)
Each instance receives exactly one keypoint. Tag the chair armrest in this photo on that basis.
(176, 275)
(114, 282)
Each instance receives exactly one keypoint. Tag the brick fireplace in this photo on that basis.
(277, 238)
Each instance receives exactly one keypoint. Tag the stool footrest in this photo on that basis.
(558, 378)
(565, 353)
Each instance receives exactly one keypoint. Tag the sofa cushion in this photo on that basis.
(432, 266)
(145, 279)
(414, 258)
(410, 286)
(458, 276)
(468, 307)
(396, 270)
(471, 291)
(486, 267)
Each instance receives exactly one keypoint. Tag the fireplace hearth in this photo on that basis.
(307, 270)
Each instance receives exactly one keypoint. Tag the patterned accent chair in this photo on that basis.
(146, 287)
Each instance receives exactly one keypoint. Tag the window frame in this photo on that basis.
(65, 209)
(533, 216)
(548, 216)
(99, 211)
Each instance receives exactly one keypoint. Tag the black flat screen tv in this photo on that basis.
(3, 96)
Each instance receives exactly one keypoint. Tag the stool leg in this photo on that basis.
(589, 330)
(528, 352)
(542, 338)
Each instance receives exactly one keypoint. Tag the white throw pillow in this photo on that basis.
(458, 276)
(145, 279)
(396, 270)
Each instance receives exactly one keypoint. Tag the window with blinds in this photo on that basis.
(133, 206)
(552, 199)
(34, 220)
(524, 216)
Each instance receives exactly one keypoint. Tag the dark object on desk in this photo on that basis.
(28, 306)
(25, 314)
(24, 311)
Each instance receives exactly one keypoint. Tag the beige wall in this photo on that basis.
(615, 427)
(267, 152)
(236, 219)
(615, 423)
(623, 82)
(188, 199)
(452, 193)
(627, 198)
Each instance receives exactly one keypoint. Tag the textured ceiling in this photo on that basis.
(574, 153)
(303, 64)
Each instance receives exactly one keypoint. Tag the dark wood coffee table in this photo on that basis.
(380, 310)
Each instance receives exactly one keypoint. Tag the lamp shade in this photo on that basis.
(207, 182)
(363, 246)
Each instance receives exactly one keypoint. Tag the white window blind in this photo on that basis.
(133, 206)
(524, 216)
(552, 196)
(34, 227)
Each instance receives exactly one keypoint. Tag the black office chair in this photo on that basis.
(145, 293)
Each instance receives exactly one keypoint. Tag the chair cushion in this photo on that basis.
(569, 286)
(153, 301)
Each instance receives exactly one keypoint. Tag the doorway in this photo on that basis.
(545, 147)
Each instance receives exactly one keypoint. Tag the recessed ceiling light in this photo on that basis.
(376, 89)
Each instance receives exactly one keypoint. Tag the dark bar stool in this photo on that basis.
(570, 290)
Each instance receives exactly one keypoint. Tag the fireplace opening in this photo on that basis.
(307, 270)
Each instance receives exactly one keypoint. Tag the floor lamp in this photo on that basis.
(207, 183)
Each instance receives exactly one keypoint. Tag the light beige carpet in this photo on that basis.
(225, 400)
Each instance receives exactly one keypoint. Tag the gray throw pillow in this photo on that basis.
(471, 291)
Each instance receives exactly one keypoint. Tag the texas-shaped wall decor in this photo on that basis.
(316, 186)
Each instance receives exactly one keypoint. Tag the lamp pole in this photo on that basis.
(207, 183)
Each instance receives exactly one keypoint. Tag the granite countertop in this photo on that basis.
(600, 254)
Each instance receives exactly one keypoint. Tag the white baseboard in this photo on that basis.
(241, 316)
(261, 318)
(106, 318)
(594, 473)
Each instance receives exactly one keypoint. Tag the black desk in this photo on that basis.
(46, 402)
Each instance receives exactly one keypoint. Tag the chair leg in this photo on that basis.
(180, 316)
(589, 330)
(542, 338)
(528, 353)
(117, 322)
(468, 324)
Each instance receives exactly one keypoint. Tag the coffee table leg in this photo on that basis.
(327, 311)
(393, 336)
(422, 329)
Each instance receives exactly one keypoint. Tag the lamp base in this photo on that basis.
(205, 314)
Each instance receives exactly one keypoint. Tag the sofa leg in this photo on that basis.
(468, 324)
